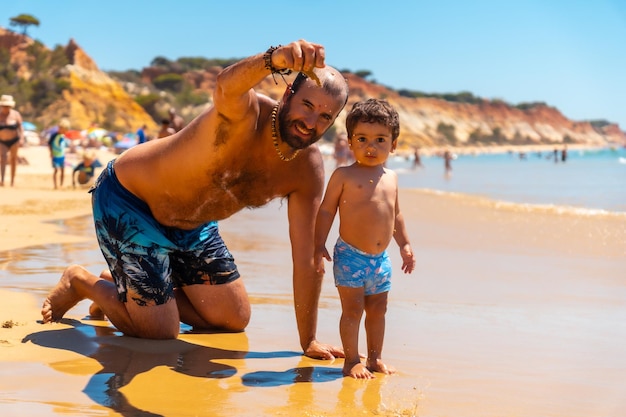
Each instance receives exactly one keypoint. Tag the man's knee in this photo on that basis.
(238, 321)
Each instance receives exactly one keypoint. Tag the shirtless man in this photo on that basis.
(244, 151)
(176, 122)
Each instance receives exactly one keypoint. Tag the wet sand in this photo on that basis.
(511, 312)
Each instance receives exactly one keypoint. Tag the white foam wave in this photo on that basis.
(525, 207)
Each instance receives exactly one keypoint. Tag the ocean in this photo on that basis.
(588, 182)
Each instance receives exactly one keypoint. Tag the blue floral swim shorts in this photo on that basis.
(354, 268)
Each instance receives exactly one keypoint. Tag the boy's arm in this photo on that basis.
(325, 217)
(401, 237)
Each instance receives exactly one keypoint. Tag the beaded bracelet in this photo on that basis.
(267, 57)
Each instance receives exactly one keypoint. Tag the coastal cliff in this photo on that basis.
(91, 96)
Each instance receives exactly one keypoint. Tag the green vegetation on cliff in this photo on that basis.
(44, 82)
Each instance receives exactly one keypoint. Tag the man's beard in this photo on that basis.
(286, 126)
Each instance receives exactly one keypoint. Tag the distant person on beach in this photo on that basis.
(447, 162)
(417, 160)
(342, 152)
(166, 130)
(11, 136)
(365, 193)
(564, 154)
(58, 145)
(157, 206)
(141, 134)
(176, 122)
(85, 171)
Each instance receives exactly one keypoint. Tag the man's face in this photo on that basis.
(307, 114)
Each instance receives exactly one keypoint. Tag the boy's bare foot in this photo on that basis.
(357, 370)
(379, 366)
(62, 297)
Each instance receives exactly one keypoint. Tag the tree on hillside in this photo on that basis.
(363, 73)
(24, 20)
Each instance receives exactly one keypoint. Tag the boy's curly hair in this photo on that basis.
(373, 111)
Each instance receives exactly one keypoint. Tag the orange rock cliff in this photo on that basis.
(93, 95)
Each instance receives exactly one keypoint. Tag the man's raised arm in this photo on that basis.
(233, 89)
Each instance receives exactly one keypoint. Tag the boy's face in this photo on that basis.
(371, 143)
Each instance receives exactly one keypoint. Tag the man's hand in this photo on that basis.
(317, 350)
(299, 56)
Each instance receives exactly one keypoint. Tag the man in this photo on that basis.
(166, 130)
(141, 134)
(244, 151)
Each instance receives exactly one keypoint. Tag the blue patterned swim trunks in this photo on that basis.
(148, 260)
(355, 269)
(58, 162)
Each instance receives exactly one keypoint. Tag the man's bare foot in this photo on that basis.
(357, 370)
(95, 312)
(62, 297)
(379, 366)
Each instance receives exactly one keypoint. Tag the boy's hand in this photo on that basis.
(318, 259)
(408, 259)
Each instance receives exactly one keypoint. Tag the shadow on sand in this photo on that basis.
(122, 358)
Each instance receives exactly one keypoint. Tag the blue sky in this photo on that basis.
(569, 54)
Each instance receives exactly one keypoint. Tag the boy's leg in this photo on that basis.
(375, 309)
(352, 305)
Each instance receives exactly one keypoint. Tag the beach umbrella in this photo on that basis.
(96, 133)
(127, 141)
(29, 126)
(74, 134)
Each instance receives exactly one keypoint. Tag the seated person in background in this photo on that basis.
(86, 169)
(166, 129)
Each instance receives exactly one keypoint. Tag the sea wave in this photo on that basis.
(525, 207)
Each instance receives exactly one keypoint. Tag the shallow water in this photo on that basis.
(588, 179)
(37, 268)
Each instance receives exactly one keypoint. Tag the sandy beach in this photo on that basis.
(510, 312)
